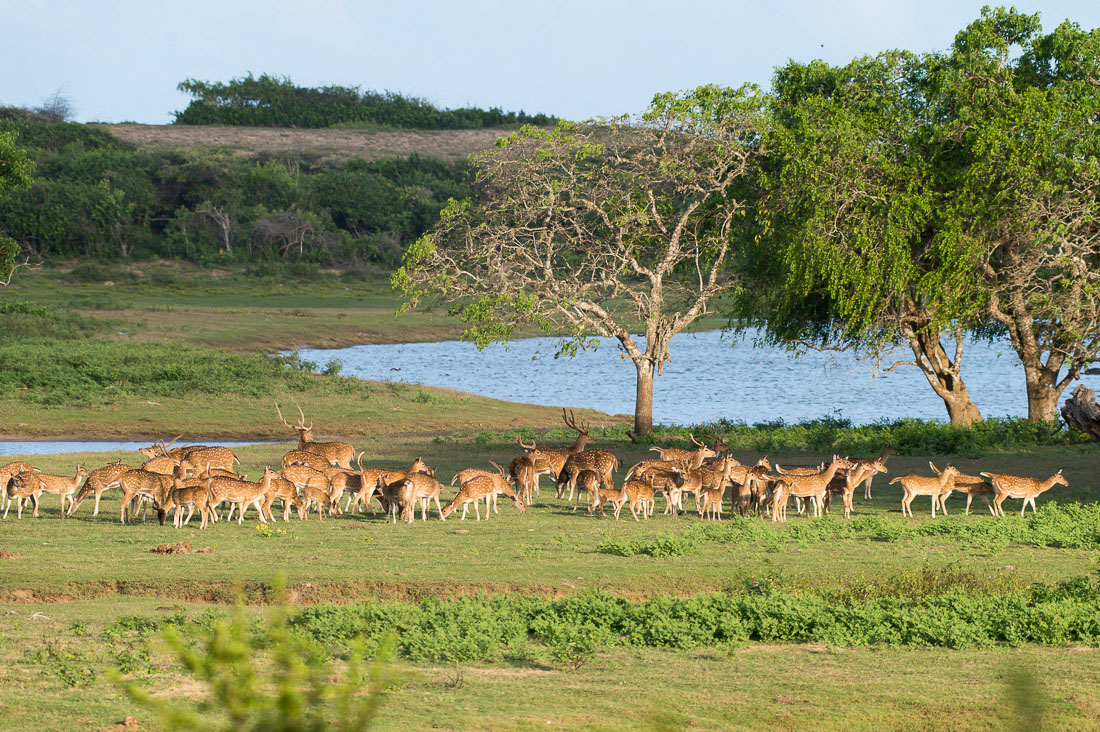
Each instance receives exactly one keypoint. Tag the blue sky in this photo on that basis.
(119, 60)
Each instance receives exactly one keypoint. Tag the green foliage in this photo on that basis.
(274, 680)
(68, 665)
(94, 196)
(276, 102)
(1058, 525)
(55, 363)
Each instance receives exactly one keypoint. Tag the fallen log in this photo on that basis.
(1081, 412)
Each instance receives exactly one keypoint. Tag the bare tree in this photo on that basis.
(57, 108)
(605, 228)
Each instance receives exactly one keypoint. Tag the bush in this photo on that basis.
(276, 102)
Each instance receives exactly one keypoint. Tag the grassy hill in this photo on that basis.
(325, 144)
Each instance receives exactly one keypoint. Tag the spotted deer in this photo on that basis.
(600, 462)
(867, 462)
(554, 457)
(310, 497)
(814, 486)
(158, 448)
(972, 486)
(283, 490)
(473, 491)
(1014, 486)
(240, 493)
(7, 473)
(686, 458)
(62, 486)
(369, 485)
(339, 454)
(307, 458)
(141, 483)
(639, 493)
(23, 487)
(919, 485)
(96, 484)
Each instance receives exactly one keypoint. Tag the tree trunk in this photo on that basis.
(643, 403)
(944, 376)
(1043, 392)
(1081, 412)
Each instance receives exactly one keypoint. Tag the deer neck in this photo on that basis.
(831, 471)
(946, 480)
(1046, 485)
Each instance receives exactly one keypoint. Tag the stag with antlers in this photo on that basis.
(339, 454)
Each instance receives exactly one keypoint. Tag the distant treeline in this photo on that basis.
(272, 101)
(93, 195)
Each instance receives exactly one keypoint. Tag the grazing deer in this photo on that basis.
(61, 485)
(503, 481)
(813, 487)
(589, 482)
(141, 483)
(303, 476)
(919, 485)
(972, 486)
(97, 482)
(159, 448)
(307, 458)
(339, 454)
(600, 462)
(311, 496)
(7, 473)
(686, 458)
(1015, 486)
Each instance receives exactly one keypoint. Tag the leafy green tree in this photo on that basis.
(857, 249)
(911, 198)
(15, 171)
(1024, 108)
(609, 228)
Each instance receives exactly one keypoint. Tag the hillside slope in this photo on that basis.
(339, 144)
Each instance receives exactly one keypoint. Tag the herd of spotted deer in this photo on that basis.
(317, 475)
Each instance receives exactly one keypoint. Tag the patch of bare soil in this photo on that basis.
(10, 555)
(183, 547)
(325, 144)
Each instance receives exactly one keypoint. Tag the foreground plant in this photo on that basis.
(277, 681)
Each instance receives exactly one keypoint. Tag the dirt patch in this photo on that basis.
(10, 555)
(324, 144)
(183, 547)
(128, 723)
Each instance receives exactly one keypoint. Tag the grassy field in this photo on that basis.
(156, 349)
(86, 571)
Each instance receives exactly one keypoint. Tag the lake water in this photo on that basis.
(711, 376)
(56, 447)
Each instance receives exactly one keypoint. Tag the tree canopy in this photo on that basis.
(605, 228)
(15, 171)
(912, 197)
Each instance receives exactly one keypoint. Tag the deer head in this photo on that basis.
(720, 445)
(419, 466)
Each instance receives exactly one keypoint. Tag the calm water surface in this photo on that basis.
(711, 376)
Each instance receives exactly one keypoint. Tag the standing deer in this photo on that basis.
(686, 458)
(62, 486)
(813, 487)
(7, 473)
(1015, 486)
(866, 462)
(159, 448)
(919, 485)
(339, 454)
(972, 486)
(23, 486)
(601, 462)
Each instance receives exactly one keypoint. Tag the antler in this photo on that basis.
(171, 443)
(571, 421)
(695, 440)
(302, 418)
(281, 417)
(525, 447)
(499, 469)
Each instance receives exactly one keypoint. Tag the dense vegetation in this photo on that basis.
(277, 102)
(94, 196)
